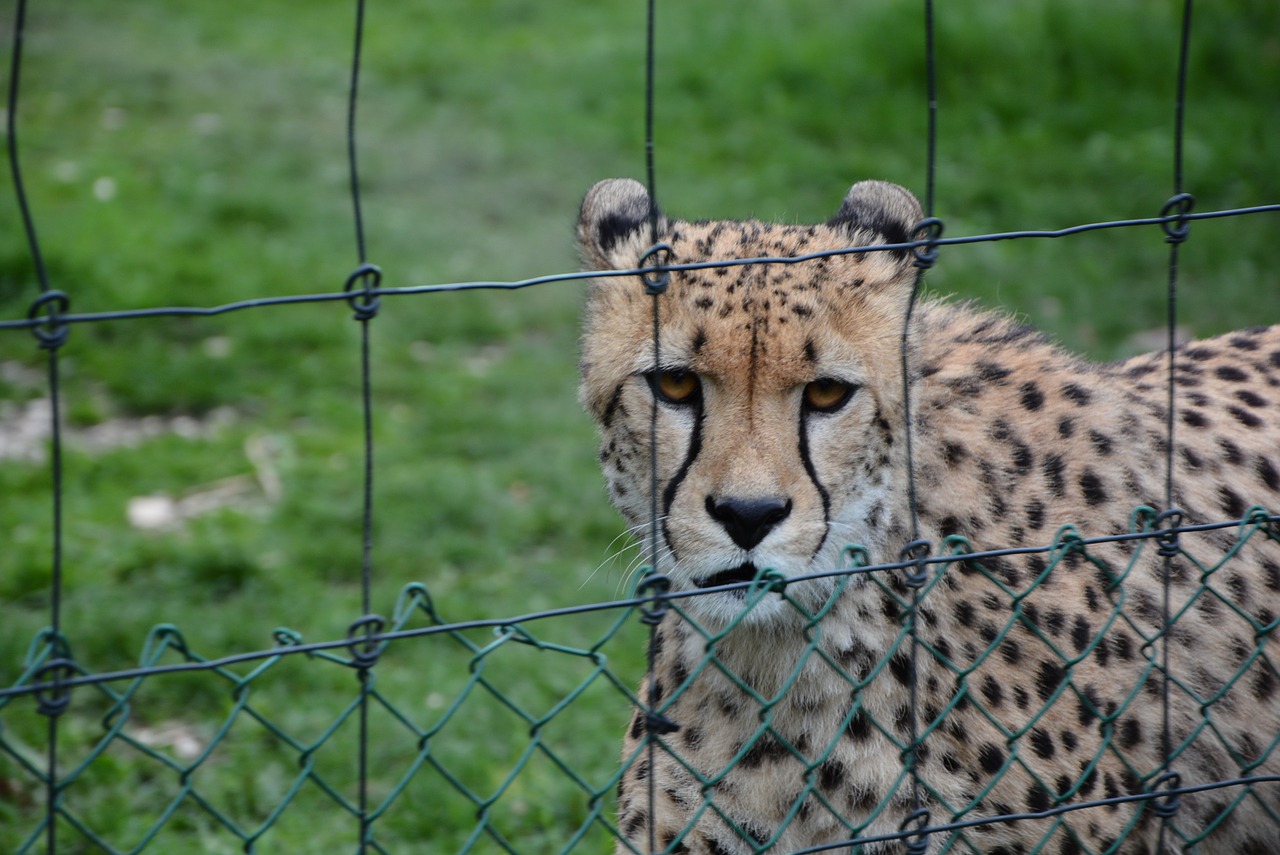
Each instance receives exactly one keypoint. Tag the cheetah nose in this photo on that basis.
(748, 521)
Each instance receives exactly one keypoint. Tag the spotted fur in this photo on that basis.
(1037, 679)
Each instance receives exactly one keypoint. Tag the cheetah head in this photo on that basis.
(777, 391)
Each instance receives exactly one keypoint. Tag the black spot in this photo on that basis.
(992, 692)
(1102, 652)
(1066, 427)
(1109, 787)
(900, 667)
(1069, 740)
(1231, 502)
(1244, 340)
(1054, 621)
(1252, 399)
(1030, 396)
(1042, 743)
(1200, 354)
(1053, 467)
(1035, 514)
(1070, 846)
(1272, 572)
(1101, 442)
(858, 729)
(679, 672)
(1264, 682)
(1010, 651)
(1193, 419)
(1239, 588)
(692, 736)
(992, 373)
(1091, 487)
(1048, 679)
(1037, 798)
(634, 823)
(1080, 633)
(715, 847)
(610, 409)
(1077, 394)
(964, 612)
(1021, 698)
(1130, 732)
(1245, 417)
(1089, 704)
(767, 747)
(1063, 784)
(637, 726)
(1267, 471)
(953, 453)
(831, 775)
(810, 351)
(1231, 373)
(991, 758)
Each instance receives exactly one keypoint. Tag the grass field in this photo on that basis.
(190, 153)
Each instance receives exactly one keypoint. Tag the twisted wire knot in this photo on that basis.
(365, 651)
(53, 698)
(53, 331)
(364, 302)
(1168, 537)
(926, 253)
(656, 278)
(914, 554)
(916, 824)
(1166, 806)
(1176, 227)
(654, 587)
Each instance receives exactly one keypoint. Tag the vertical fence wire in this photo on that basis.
(366, 306)
(655, 583)
(51, 334)
(1176, 233)
(916, 549)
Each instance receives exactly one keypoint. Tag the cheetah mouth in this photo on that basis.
(742, 573)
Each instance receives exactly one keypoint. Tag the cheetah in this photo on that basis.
(794, 709)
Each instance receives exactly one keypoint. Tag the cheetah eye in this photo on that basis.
(675, 385)
(826, 395)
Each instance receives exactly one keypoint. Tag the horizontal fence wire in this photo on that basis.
(103, 711)
(47, 317)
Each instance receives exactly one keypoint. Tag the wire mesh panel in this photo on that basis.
(1136, 712)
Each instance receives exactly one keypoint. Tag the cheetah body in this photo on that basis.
(1037, 675)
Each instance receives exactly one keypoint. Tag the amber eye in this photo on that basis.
(675, 385)
(826, 395)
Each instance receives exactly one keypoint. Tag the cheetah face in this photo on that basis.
(778, 425)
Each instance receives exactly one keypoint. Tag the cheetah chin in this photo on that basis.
(780, 406)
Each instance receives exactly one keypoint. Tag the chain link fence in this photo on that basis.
(392, 762)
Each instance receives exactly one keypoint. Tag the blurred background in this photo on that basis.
(191, 153)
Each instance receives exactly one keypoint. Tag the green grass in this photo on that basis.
(216, 134)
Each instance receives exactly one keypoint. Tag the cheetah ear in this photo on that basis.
(878, 212)
(613, 228)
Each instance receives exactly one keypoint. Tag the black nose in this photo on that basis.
(748, 521)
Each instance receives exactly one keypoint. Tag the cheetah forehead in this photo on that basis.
(795, 308)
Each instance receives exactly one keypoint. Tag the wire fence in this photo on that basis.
(93, 716)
